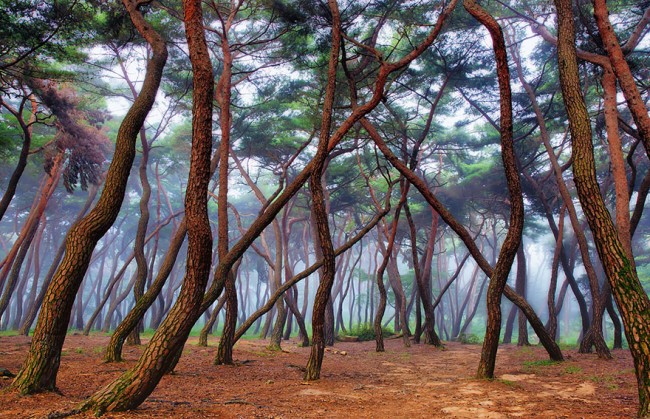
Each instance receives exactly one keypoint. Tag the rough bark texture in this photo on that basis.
(595, 328)
(131, 320)
(430, 336)
(328, 270)
(632, 301)
(132, 388)
(41, 366)
(223, 94)
(513, 237)
(622, 70)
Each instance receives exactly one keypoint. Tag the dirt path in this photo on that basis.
(414, 382)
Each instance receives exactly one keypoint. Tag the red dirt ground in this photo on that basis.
(414, 382)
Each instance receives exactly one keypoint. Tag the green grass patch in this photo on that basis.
(606, 380)
(572, 369)
(506, 382)
(470, 339)
(366, 332)
(540, 363)
(533, 366)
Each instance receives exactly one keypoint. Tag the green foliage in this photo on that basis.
(470, 339)
(572, 369)
(540, 363)
(37, 34)
(366, 332)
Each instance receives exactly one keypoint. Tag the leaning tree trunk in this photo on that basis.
(28, 231)
(621, 68)
(132, 388)
(328, 270)
(513, 237)
(630, 297)
(26, 127)
(141, 233)
(430, 336)
(36, 304)
(42, 364)
(133, 318)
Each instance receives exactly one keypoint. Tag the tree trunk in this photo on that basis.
(319, 210)
(223, 94)
(227, 341)
(35, 306)
(133, 387)
(520, 287)
(424, 292)
(41, 366)
(141, 233)
(28, 232)
(209, 324)
(551, 326)
(26, 127)
(632, 300)
(513, 238)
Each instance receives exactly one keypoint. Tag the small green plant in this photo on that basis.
(525, 350)
(533, 366)
(79, 350)
(366, 332)
(567, 345)
(540, 363)
(506, 382)
(469, 339)
(606, 380)
(572, 369)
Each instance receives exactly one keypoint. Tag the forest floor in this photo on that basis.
(356, 382)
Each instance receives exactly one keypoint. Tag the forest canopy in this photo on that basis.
(322, 169)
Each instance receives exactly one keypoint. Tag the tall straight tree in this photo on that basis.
(39, 371)
(631, 299)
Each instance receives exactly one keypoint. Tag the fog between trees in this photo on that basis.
(322, 169)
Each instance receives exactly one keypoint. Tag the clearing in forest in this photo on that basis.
(357, 382)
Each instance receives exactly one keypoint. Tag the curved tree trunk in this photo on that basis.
(551, 325)
(133, 387)
(28, 232)
(26, 127)
(36, 305)
(141, 233)
(41, 366)
(632, 300)
(324, 242)
(209, 324)
(513, 238)
(595, 330)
